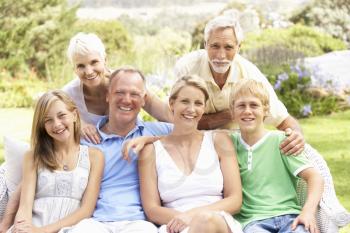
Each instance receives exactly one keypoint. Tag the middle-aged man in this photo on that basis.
(221, 67)
(118, 206)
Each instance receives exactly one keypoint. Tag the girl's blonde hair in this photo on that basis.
(189, 80)
(41, 142)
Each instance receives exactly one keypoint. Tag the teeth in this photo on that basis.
(247, 119)
(59, 131)
(90, 78)
(125, 109)
(189, 116)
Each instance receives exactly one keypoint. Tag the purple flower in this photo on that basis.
(297, 70)
(277, 85)
(282, 77)
(306, 110)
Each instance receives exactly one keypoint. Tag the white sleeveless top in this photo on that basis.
(75, 90)
(202, 187)
(59, 193)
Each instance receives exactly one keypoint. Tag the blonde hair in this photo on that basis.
(85, 43)
(189, 80)
(41, 142)
(251, 87)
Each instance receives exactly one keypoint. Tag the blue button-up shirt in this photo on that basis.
(119, 197)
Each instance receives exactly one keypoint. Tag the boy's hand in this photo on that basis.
(308, 220)
(294, 143)
(179, 223)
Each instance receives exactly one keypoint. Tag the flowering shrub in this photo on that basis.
(293, 89)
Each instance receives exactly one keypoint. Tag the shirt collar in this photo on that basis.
(140, 125)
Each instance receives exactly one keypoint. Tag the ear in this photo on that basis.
(144, 99)
(75, 115)
(171, 105)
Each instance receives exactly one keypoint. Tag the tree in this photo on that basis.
(34, 34)
(330, 16)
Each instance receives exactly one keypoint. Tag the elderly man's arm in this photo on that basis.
(294, 143)
(215, 120)
(157, 108)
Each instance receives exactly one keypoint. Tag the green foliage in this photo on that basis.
(113, 34)
(292, 88)
(330, 16)
(33, 34)
(275, 47)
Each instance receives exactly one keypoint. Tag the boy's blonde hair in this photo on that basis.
(252, 87)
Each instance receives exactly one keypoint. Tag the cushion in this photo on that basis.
(14, 152)
(3, 192)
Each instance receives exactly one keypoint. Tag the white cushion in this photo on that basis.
(14, 152)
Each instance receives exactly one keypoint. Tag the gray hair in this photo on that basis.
(85, 43)
(224, 21)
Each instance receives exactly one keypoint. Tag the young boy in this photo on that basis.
(269, 177)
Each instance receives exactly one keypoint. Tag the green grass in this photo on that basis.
(330, 135)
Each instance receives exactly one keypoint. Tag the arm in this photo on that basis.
(215, 120)
(294, 143)
(314, 192)
(137, 144)
(232, 201)
(24, 215)
(89, 199)
(157, 108)
(149, 189)
(11, 210)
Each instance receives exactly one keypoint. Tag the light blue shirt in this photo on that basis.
(119, 198)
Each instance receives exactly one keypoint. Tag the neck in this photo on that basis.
(253, 137)
(112, 127)
(99, 90)
(67, 148)
(220, 78)
(184, 134)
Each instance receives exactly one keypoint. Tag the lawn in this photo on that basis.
(330, 135)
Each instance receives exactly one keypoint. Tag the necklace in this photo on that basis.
(65, 167)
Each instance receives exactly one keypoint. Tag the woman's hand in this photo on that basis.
(179, 223)
(90, 133)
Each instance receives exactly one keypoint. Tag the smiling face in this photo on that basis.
(59, 122)
(188, 107)
(126, 97)
(221, 48)
(249, 113)
(89, 67)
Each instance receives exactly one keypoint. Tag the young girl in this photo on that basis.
(189, 180)
(61, 178)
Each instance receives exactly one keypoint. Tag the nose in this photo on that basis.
(88, 70)
(221, 54)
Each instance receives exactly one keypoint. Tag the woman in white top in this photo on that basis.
(189, 180)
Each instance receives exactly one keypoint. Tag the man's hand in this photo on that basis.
(294, 143)
(90, 133)
(308, 220)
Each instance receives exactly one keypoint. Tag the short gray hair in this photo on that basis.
(85, 43)
(224, 21)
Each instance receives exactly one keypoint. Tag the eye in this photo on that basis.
(229, 47)
(94, 62)
(62, 115)
(214, 46)
(47, 120)
(120, 93)
(185, 101)
(80, 66)
(199, 103)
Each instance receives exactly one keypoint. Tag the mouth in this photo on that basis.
(59, 131)
(91, 78)
(190, 117)
(247, 119)
(125, 109)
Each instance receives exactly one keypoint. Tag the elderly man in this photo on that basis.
(119, 207)
(221, 67)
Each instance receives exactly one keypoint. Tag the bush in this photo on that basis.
(275, 47)
(33, 34)
(292, 87)
(330, 16)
